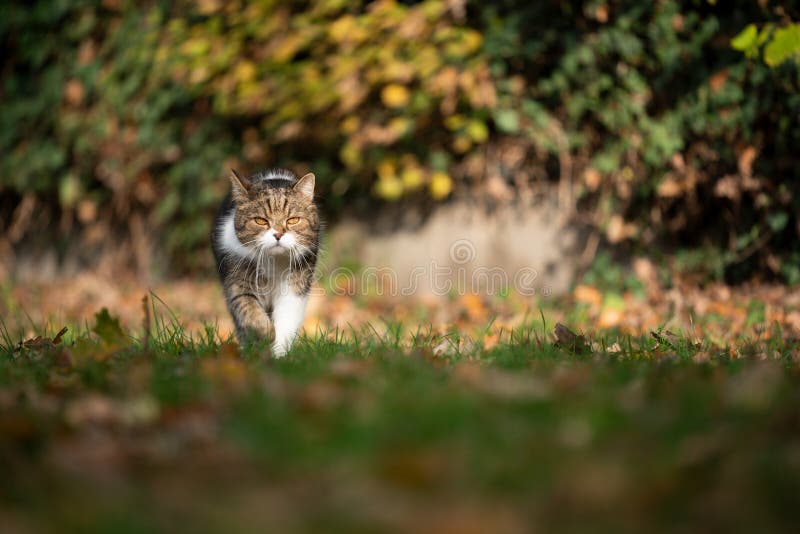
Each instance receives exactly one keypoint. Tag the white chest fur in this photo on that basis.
(271, 285)
(228, 241)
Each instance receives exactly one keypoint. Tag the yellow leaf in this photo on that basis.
(441, 185)
(472, 40)
(245, 71)
(350, 154)
(412, 178)
(399, 125)
(395, 96)
(390, 188)
(349, 125)
(340, 29)
(461, 144)
(286, 48)
(477, 131)
(386, 169)
(454, 122)
(473, 305)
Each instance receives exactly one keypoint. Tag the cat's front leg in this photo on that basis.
(288, 312)
(251, 321)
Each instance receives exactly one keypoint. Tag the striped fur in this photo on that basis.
(266, 242)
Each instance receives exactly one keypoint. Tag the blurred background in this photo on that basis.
(603, 144)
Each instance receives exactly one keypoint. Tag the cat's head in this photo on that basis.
(275, 213)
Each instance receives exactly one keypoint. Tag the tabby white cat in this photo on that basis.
(266, 243)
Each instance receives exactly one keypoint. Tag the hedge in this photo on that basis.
(663, 135)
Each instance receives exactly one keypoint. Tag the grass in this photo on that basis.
(362, 431)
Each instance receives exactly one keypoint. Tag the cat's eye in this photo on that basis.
(261, 221)
(293, 220)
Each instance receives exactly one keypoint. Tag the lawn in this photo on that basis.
(398, 429)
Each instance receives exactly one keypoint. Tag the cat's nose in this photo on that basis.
(278, 236)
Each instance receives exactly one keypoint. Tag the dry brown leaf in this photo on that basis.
(474, 306)
(717, 81)
(490, 340)
(618, 230)
(74, 92)
(57, 339)
(746, 159)
(592, 178)
(588, 295)
(669, 187)
(610, 317)
(227, 372)
(569, 340)
(40, 343)
(728, 187)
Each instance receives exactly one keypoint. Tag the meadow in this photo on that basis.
(386, 427)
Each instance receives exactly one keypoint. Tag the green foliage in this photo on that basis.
(122, 116)
(688, 142)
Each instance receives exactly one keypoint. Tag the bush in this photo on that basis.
(117, 116)
(676, 138)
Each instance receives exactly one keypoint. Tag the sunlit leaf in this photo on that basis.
(784, 44)
(395, 96)
(440, 185)
(389, 188)
(745, 41)
(477, 130)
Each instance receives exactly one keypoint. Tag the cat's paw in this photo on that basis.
(279, 350)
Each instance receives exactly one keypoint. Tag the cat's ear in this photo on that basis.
(241, 185)
(305, 186)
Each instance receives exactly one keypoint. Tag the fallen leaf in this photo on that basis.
(57, 339)
(665, 337)
(414, 469)
(109, 331)
(473, 305)
(588, 295)
(40, 343)
(569, 340)
(610, 317)
(226, 372)
(490, 341)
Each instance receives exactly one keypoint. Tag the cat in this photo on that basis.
(266, 243)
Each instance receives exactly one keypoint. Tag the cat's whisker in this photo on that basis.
(305, 255)
(241, 260)
(257, 273)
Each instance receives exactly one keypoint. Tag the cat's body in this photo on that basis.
(266, 242)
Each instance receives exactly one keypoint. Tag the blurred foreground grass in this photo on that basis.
(360, 431)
